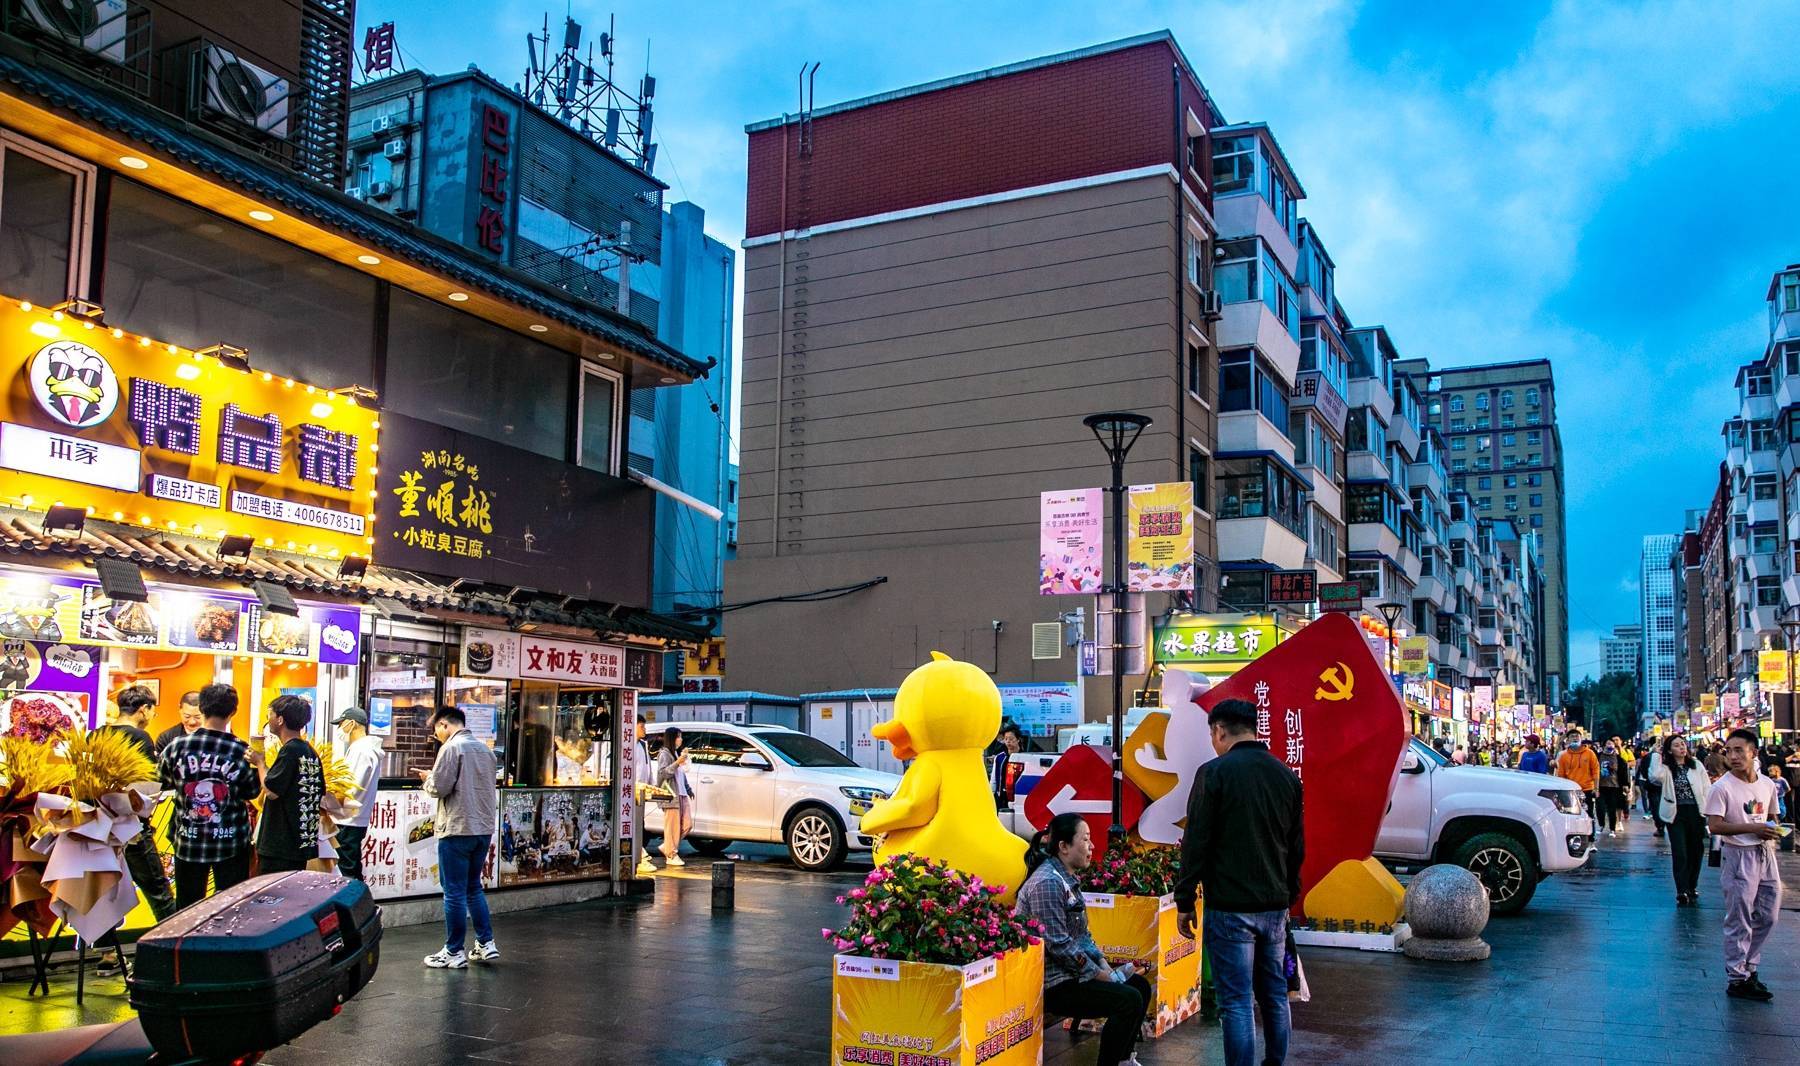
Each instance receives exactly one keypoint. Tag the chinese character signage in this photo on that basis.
(503, 654)
(400, 850)
(1341, 596)
(378, 49)
(69, 675)
(65, 608)
(1069, 541)
(1772, 669)
(1040, 709)
(1293, 586)
(1481, 701)
(457, 505)
(1159, 531)
(1215, 639)
(1414, 655)
(1506, 696)
(1312, 390)
(173, 441)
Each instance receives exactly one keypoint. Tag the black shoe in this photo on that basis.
(110, 966)
(1681, 899)
(1746, 990)
(1756, 982)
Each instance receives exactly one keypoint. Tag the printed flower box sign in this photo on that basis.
(1141, 930)
(990, 1012)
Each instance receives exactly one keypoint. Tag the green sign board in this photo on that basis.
(1345, 596)
(1205, 641)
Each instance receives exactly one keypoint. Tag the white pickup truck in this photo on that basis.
(1510, 829)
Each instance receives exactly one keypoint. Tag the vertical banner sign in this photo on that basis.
(1159, 529)
(1507, 696)
(625, 854)
(1481, 701)
(1415, 655)
(1772, 670)
(1069, 540)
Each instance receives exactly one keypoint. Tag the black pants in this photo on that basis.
(190, 877)
(1655, 794)
(1612, 807)
(1123, 1005)
(349, 849)
(1687, 846)
(145, 864)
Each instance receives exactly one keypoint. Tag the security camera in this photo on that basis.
(999, 625)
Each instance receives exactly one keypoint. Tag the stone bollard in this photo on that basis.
(724, 886)
(1447, 908)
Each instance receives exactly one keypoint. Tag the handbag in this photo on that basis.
(1298, 992)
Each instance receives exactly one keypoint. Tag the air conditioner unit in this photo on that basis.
(94, 26)
(1212, 307)
(354, 192)
(381, 190)
(381, 124)
(395, 149)
(244, 92)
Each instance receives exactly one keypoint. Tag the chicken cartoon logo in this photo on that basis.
(945, 714)
(74, 384)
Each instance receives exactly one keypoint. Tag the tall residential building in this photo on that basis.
(940, 283)
(1622, 652)
(1718, 612)
(1656, 600)
(1499, 420)
(1754, 533)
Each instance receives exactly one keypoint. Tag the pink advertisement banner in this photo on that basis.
(1069, 542)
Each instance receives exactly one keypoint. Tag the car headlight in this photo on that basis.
(1568, 801)
(862, 795)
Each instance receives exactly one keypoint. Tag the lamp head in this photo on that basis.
(1117, 431)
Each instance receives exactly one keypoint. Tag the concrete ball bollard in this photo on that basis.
(1447, 908)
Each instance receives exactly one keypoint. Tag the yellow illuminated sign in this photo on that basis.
(149, 434)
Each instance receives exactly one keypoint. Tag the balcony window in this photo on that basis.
(1768, 592)
(1764, 540)
(1790, 357)
(1372, 503)
(1790, 293)
(1258, 487)
(1317, 352)
(1325, 540)
(1248, 383)
(1274, 190)
(1758, 382)
(1364, 432)
(1233, 163)
(1247, 271)
(1367, 575)
(1762, 435)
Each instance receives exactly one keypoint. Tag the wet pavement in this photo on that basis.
(1600, 968)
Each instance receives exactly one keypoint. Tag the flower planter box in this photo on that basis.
(928, 1014)
(1141, 930)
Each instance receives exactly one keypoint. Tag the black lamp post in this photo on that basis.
(1790, 630)
(1392, 612)
(1117, 431)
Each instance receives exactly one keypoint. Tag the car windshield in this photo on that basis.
(1426, 751)
(798, 749)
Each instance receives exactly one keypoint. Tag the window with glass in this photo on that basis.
(1196, 370)
(1762, 434)
(1764, 538)
(1788, 354)
(1484, 463)
(1506, 421)
(1508, 440)
(1535, 436)
(1537, 521)
(1506, 397)
(1459, 464)
(1458, 425)
(600, 414)
(1371, 503)
(1534, 480)
(1758, 382)
(1367, 574)
(1768, 591)
(1481, 401)
(1318, 352)
(1197, 475)
(183, 274)
(1247, 382)
(1233, 163)
(1456, 404)
(1485, 503)
(1512, 504)
(1258, 487)
(44, 200)
(1276, 193)
(1247, 270)
(1790, 293)
(1196, 261)
(460, 371)
(1459, 444)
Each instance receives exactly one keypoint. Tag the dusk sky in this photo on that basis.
(1607, 186)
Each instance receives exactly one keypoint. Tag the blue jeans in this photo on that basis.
(459, 868)
(1250, 950)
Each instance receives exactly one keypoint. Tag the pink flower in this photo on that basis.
(842, 945)
(868, 940)
(827, 933)
(857, 893)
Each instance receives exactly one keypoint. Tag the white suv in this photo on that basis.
(770, 784)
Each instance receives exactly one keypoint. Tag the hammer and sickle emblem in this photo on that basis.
(1339, 684)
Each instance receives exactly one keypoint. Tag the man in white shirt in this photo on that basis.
(1740, 811)
(363, 754)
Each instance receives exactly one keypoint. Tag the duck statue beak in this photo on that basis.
(896, 735)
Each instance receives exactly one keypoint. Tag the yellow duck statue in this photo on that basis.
(945, 715)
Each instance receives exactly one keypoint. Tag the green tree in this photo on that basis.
(1608, 705)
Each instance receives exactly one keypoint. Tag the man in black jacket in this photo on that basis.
(1243, 845)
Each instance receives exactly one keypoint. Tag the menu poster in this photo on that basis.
(268, 633)
(552, 834)
(400, 850)
(203, 622)
(128, 622)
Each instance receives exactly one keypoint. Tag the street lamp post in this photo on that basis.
(1391, 611)
(1790, 629)
(1117, 431)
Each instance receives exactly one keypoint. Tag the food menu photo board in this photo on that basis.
(160, 437)
(64, 608)
(400, 850)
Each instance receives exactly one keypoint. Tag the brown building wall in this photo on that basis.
(944, 365)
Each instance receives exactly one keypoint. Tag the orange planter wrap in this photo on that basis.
(1141, 930)
(890, 1013)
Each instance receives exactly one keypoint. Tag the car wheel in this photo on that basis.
(815, 841)
(708, 846)
(1504, 866)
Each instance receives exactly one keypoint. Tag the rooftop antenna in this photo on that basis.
(587, 96)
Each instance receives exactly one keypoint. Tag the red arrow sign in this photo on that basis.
(1080, 782)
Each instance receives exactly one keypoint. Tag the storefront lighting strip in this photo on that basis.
(49, 327)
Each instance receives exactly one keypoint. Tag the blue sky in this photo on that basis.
(1608, 186)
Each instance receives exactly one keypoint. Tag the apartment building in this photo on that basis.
(1717, 636)
(940, 283)
(1656, 601)
(1620, 653)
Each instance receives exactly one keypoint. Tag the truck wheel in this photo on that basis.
(1504, 866)
(815, 841)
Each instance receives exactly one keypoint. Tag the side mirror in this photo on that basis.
(1410, 764)
(754, 760)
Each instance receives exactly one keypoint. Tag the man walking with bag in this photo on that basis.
(1243, 846)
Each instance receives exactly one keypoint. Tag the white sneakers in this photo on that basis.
(445, 959)
(673, 860)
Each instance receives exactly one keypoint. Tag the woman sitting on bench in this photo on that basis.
(1078, 983)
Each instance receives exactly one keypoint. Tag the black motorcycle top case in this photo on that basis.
(255, 966)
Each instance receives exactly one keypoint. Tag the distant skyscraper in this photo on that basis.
(1656, 597)
(1622, 652)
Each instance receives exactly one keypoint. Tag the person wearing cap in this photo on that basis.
(363, 754)
(1534, 759)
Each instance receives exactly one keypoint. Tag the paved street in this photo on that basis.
(1601, 968)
